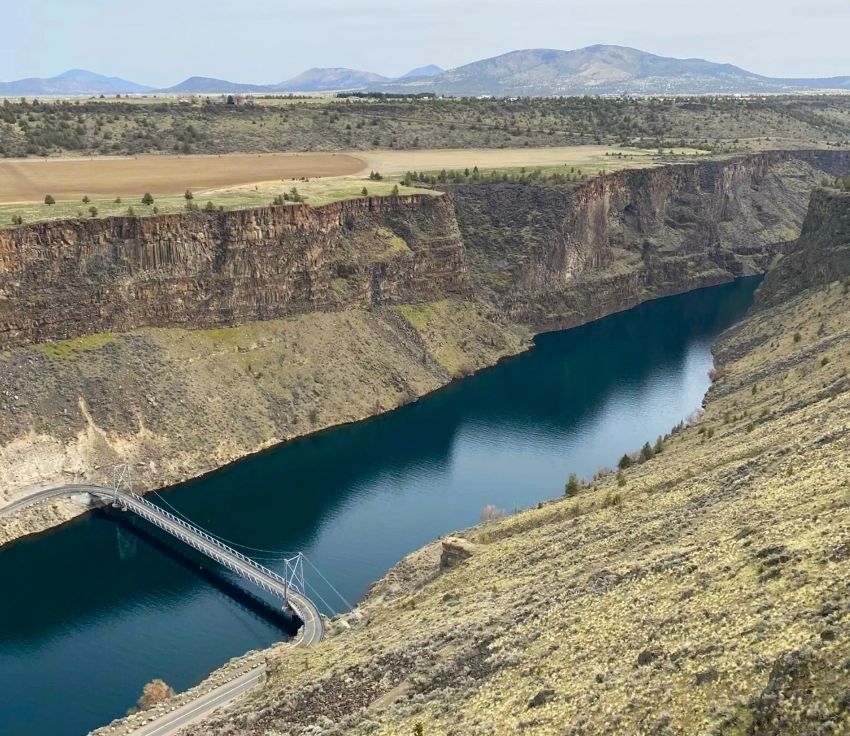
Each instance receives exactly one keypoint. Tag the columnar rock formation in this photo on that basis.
(70, 278)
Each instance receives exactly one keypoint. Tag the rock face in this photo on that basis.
(61, 280)
(554, 256)
(819, 257)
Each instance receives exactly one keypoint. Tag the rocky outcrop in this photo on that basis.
(819, 257)
(555, 255)
(454, 551)
(70, 278)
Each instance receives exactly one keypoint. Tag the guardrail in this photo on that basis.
(266, 579)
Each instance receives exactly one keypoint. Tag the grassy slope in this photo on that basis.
(71, 408)
(706, 595)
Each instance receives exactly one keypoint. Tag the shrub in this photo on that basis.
(365, 192)
(48, 199)
(209, 206)
(131, 212)
(621, 478)
(797, 337)
(188, 195)
(118, 200)
(86, 199)
(93, 211)
(491, 513)
(156, 691)
(147, 199)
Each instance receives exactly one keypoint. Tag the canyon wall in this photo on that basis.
(553, 256)
(180, 343)
(819, 257)
(69, 278)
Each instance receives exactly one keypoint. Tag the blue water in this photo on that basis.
(100, 607)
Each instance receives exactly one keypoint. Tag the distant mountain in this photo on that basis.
(208, 85)
(318, 80)
(423, 71)
(72, 82)
(595, 70)
(602, 70)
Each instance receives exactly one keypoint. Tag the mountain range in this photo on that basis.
(594, 70)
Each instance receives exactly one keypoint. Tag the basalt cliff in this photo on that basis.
(181, 343)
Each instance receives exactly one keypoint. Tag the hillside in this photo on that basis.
(606, 70)
(718, 124)
(701, 591)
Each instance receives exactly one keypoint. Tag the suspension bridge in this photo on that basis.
(288, 588)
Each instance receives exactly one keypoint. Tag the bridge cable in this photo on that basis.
(276, 554)
(319, 596)
(329, 583)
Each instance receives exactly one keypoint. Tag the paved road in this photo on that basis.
(46, 495)
(172, 722)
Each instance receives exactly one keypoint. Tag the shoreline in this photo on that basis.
(65, 512)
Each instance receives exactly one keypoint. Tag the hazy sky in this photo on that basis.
(160, 42)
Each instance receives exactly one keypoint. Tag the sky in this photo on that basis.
(161, 42)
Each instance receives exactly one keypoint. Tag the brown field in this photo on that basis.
(102, 178)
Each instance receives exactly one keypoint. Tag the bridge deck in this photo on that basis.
(236, 562)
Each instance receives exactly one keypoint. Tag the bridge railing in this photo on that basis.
(158, 510)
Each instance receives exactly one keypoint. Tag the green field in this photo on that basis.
(316, 192)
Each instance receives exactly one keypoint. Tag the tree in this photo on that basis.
(147, 199)
(131, 212)
(93, 211)
(573, 485)
(188, 195)
(48, 199)
(86, 199)
(646, 452)
(625, 462)
(395, 190)
(365, 192)
(209, 206)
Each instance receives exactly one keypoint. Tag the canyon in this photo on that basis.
(580, 616)
(180, 343)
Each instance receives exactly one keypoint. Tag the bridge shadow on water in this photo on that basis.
(207, 570)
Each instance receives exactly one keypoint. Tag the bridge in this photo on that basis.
(287, 588)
